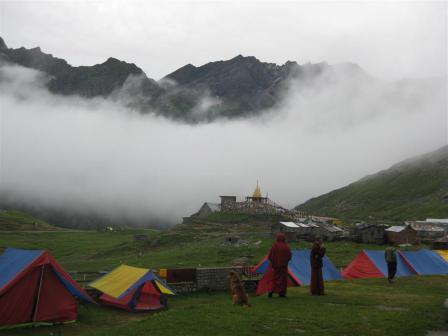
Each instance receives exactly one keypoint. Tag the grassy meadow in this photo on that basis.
(411, 306)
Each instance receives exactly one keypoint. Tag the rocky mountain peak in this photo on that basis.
(3, 45)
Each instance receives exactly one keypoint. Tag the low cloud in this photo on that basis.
(100, 157)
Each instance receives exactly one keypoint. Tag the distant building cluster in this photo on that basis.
(255, 204)
(297, 225)
(310, 227)
(430, 231)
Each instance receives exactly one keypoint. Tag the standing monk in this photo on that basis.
(276, 278)
(317, 279)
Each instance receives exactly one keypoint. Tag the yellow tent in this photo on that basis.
(443, 253)
(125, 283)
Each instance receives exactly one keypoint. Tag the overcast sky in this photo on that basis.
(388, 39)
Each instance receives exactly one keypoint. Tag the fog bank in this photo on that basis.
(97, 156)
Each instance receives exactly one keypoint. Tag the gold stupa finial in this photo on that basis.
(257, 192)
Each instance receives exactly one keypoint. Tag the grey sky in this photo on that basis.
(388, 39)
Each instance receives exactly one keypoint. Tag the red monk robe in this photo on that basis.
(317, 279)
(275, 279)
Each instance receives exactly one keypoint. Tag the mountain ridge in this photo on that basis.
(240, 87)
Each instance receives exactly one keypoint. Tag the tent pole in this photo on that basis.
(36, 306)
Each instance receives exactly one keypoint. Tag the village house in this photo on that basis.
(369, 233)
(290, 229)
(327, 232)
(427, 232)
(401, 235)
(440, 243)
(294, 231)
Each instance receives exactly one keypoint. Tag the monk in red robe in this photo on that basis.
(276, 278)
(317, 279)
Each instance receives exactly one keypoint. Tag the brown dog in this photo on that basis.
(239, 295)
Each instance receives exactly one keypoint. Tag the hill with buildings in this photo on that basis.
(413, 189)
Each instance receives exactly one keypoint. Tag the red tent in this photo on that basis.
(34, 288)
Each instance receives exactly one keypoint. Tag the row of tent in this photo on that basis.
(35, 289)
(368, 264)
(372, 264)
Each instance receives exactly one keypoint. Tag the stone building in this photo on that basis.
(369, 233)
(256, 204)
(401, 235)
(327, 232)
(427, 232)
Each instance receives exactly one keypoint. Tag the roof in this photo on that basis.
(364, 226)
(422, 226)
(328, 227)
(123, 279)
(323, 218)
(290, 224)
(396, 228)
(332, 228)
(437, 220)
(257, 192)
(214, 206)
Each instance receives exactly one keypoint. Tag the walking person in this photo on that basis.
(276, 278)
(390, 254)
(317, 280)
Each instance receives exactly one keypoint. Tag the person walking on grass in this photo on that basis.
(317, 280)
(390, 254)
(276, 278)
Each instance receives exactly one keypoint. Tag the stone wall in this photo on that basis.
(214, 279)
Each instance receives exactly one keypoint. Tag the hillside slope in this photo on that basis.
(413, 189)
(19, 221)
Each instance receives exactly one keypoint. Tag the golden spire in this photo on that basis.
(257, 192)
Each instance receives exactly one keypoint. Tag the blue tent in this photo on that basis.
(426, 262)
(372, 264)
(299, 268)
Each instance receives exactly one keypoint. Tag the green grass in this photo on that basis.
(19, 221)
(414, 189)
(362, 307)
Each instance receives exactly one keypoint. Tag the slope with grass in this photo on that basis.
(19, 221)
(413, 189)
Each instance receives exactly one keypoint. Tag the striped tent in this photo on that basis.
(372, 264)
(132, 289)
(35, 289)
